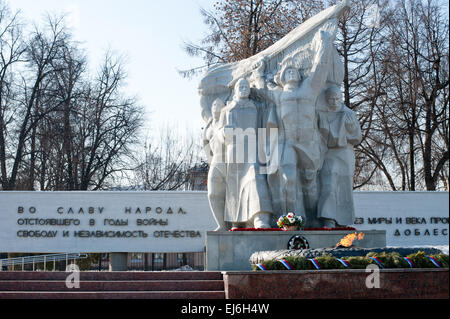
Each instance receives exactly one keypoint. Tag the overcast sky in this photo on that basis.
(150, 34)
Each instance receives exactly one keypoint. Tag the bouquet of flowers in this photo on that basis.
(290, 220)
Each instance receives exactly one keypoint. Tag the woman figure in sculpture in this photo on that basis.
(247, 200)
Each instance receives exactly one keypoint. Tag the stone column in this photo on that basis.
(118, 261)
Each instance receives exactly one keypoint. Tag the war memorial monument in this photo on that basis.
(279, 141)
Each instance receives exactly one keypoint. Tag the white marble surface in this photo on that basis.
(175, 232)
(416, 210)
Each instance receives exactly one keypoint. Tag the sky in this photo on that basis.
(150, 35)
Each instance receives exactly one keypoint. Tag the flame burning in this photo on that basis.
(348, 240)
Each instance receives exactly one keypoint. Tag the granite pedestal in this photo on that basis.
(228, 251)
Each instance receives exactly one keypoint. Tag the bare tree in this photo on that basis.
(12, 50)
(60, 129)
(39, 53)
(165, 164)
(105, 128)
(409, 125)
(242, 28)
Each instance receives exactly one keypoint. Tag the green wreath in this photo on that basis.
(298, 243)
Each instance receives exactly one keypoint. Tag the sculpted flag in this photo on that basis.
(296, 45)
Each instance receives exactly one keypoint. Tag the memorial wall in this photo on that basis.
(50, 222)
(103, 221)
(409, 218)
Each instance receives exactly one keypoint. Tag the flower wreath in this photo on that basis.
(298, 243)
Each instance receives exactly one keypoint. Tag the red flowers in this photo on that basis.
(256, 229)
(331, 229)
(306, 229)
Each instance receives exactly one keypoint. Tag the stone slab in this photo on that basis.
(111, 276)
(143, 285)
(104, 222)
(409, 218)
(113, 285)
(337, 284)
(185, 295)
(232, 250)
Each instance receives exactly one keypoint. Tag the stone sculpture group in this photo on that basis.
(278, 137)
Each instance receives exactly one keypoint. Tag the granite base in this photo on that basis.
(227, 251)
(337, 284)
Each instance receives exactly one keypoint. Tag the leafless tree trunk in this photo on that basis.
(60, 128)
(165, 164)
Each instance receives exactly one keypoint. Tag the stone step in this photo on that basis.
(112, 285)
(135, 286)
(115, 295)
(111, 276)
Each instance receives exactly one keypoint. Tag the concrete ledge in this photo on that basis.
(232, 250)
(337, 284)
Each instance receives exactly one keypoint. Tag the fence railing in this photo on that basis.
(34, 260)
(166, 261)
(136, 262)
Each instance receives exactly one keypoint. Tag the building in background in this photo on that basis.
(198, 177)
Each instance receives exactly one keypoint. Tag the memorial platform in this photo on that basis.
(231, 251)
(309, 284)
